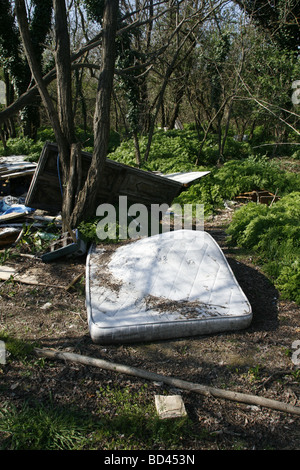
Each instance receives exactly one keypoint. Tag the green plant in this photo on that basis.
(6, 254)
(38, 241)
(239, 176)
(253, 373)
(23, 146)
(132, 422)
(39, 426)
(274, 234)
(296, 374)
(18, 349)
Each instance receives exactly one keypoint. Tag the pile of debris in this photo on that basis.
(31, 195)
(16, 216)
(15, 175)
(15, 178)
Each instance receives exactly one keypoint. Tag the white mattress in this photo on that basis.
(170, 285)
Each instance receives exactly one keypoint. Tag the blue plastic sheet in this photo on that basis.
(7, 208)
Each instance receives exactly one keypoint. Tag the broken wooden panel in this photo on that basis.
(118, 180)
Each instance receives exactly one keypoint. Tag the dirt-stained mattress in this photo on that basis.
(171, 285)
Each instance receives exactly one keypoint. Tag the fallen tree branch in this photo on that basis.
(178, 383)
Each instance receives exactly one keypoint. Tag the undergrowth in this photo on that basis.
(124, 420)
(40, 426)
(274, 234)
(239, 176)
(178, 150)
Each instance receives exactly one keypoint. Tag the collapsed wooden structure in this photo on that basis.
(140, 186)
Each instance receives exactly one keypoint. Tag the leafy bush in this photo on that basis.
(236, 177)
(170, 151)
(255, 173)
(23, 146)
(178, 150)
(32, 148)
(274, 233)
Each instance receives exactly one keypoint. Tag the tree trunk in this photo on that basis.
(69, 151)
(62, 120)
(86, 202)
(178, 99)
(137, 148)
(63, 71)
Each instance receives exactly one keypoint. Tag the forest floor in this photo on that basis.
(257, 360)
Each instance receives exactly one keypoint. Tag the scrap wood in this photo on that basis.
(12, 215)
(9, 272)
(16, 173)
(45, 219)
(178, 383)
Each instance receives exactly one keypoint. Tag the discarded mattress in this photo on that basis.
(171, 285)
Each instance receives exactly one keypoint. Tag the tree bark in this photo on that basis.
(86, 202)
(62, 120)
(63, 71)
(69, 150)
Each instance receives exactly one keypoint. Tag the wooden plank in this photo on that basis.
(17, 174)
(12, 216)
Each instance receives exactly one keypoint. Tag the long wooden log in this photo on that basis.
(178, 383)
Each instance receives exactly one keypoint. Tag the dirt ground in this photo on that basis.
(256, 361)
